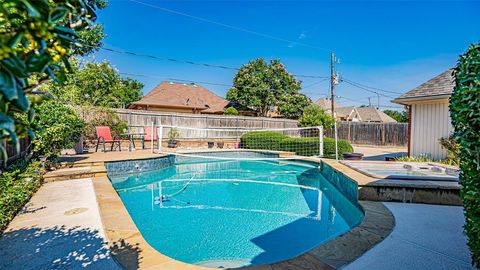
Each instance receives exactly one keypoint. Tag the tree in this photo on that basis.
(230, 111)
(259, 85)
(314, 116)
(37, 37)
(401, 117)
(96, 84)
(293, 106)
(465, 114)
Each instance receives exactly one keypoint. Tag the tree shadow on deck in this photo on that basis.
(62, 248)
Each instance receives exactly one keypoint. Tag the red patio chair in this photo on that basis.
(105, 136)
(148, 136)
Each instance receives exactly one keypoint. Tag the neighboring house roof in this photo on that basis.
(371, 114)
(439, 87)
(345, 112)
(326, 104)
(169, 94)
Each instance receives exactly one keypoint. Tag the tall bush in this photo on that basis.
(58, 127)
(314, 116)
(99, 116)
(230, 111)
(465, 113)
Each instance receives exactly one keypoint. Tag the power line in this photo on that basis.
(241, 29)
(190, 62)
(370, 87)
(366, 89)
(315, 83)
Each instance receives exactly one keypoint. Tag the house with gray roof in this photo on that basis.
(429, 116)
(355, 114)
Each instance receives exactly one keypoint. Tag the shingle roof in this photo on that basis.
(169, 94)
(370, 114)
(442, 84)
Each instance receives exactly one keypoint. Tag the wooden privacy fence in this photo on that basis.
(137, 119)
(372, 133)
(25, 147)
(354, 132)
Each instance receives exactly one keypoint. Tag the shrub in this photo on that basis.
(17, 185)
(98, 116)
(453, 150)
(304, 146)
(465, 114)
(59, 127)
(267, 140)
(314, 116)
(230, 111)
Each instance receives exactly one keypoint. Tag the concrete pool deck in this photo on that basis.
(60, 228)
(431, 240)
(126, 241)
(425, 237)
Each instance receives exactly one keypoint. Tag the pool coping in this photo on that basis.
(132, 251)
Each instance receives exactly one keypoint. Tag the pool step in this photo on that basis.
(74, 173)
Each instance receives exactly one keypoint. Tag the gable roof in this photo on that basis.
(192, 96)
(371, 114)
(439, 87)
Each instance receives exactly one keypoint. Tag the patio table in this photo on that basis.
(131, 137)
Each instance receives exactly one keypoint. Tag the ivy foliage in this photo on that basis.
(37, 37)
(96, 84)
(57, 127)
(17, 184)
(314, 116)
(465, 114)
(259, 85)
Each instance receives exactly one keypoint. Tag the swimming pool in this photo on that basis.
(233, 213)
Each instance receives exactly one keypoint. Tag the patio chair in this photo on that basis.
(148, 136)
(105, 136)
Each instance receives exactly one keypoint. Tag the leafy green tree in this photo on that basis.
(37, 37)
(401, 117)
(292, 106)
(96, 84)
(230, 111)
(259, 85)
(314, 116)
(465, 114)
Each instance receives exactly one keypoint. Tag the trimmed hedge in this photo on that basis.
(303, 146)
(465, 114)
(17, 185)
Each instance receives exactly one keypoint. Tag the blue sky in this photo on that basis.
(390, 45)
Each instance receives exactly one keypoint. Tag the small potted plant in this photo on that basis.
(173, 135)
(220, 144)
(210, 144)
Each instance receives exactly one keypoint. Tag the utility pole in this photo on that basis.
(332, 82)
(369, 102)
(378, 101)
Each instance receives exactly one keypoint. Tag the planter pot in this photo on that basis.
(220, 144)
(211, 144)
(352, 156)
(79, 146)
(172, 143)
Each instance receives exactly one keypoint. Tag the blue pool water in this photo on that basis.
(232, 213)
